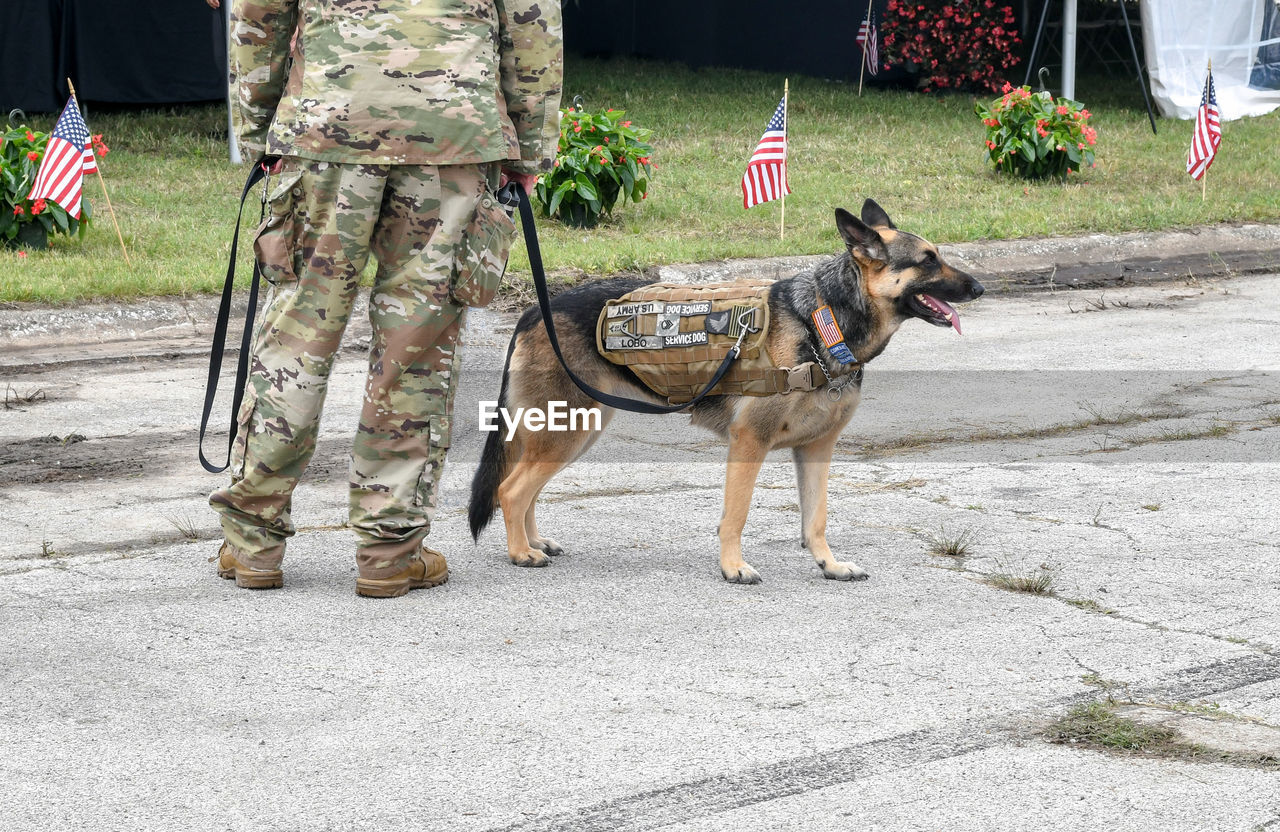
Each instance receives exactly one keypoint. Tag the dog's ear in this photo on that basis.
(874, 216)
(863, 242)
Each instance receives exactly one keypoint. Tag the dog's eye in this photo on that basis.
(928, 261)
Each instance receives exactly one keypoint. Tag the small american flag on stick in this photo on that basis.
(869, 40)
(67, 158)
(766, 176)
(1208, 132)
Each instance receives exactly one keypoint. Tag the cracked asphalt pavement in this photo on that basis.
(1118, 446)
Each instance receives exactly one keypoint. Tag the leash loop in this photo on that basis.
(257, 173)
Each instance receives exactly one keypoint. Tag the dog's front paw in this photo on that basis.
(744, 574)
(529, 557)
(548, 545)
(843, 570)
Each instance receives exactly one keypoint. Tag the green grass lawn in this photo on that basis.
(921, 157)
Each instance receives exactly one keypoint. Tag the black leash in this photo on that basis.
(260, 171)
(544, 304)
(508, 195)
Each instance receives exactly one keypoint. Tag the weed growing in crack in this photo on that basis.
(13, 399)
(950, 546)
(1030, 581)
(1098, 724)
(185, 526)
(1089, 605)
(1152, 506)
(1214, 431)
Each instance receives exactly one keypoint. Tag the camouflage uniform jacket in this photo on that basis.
(402, 82)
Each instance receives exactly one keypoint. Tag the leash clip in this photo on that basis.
(266, 182)
(509, 198)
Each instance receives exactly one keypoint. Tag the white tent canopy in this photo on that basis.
(1242, 37)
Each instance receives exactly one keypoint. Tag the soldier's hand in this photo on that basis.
(528, 181)
(213, 4)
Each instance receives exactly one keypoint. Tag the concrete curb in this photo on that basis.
(1091, 261)
(35, 335)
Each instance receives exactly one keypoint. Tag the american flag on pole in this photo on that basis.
(869, 40)
(766, 176)
(1208, 132)
(67, 158)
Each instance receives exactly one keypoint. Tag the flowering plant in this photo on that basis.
(1035, 136)
(601, 157)
(958, 44)
(25, 220)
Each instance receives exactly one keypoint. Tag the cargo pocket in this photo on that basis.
(244, 425)
(481, 257)
(276, 244)
(437, 448)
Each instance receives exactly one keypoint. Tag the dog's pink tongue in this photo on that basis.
(949, 311)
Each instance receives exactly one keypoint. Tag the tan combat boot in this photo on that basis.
(427, 570)
(246, 576)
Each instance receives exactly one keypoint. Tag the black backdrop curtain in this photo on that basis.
(812, 37)
(115, 51)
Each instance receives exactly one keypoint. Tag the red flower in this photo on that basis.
(22, 254)
(17, 211)
(1063, 110)
(991, 145)
(33, 155)
(37, 206)
(577, 128)
(30, 136)
(1007, 88)
(626, 124)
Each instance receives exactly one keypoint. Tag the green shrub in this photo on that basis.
(1035, 136)
(600, 159)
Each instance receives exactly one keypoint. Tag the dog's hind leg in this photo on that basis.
(544, 454)
(746, 455)
(536, 540)
(813, 463)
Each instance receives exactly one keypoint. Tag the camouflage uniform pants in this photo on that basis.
(325, 219)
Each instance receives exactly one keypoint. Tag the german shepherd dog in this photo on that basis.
(884, 277)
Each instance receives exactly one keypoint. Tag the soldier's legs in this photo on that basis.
(404, 430)
(313, 249)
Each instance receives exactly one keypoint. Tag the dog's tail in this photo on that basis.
(493, 464)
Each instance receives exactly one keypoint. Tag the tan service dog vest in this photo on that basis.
(674, 337)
